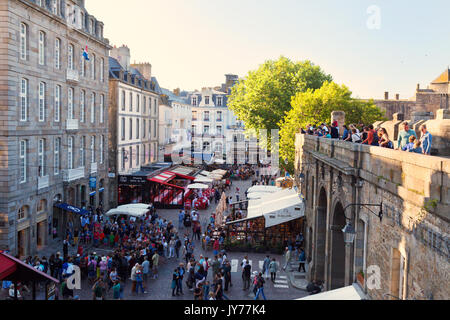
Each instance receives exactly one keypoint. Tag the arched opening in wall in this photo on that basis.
(338, 248)
(321, 234)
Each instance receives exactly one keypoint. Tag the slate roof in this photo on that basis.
(443, 78)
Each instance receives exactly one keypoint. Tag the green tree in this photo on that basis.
(262, 99)
(315, 107)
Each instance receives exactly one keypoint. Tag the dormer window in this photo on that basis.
(219, 101)
(207, 100)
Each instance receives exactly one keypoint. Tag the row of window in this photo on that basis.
(206, 116)
(44, 149)
(138, 128)
(43, 102)
(135, 101)
(206, 130)
(134, 157)
(42, 54)
(55, 7)
(219, 101)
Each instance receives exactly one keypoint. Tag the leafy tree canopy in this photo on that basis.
(262, 99)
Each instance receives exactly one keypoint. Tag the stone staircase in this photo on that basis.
(297, 279)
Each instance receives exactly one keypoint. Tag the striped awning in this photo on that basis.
(163, 177)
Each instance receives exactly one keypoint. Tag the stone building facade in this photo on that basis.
(403, 256)
(133, 118)
(51, 101)
(436, 96)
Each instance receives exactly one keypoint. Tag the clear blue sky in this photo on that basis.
(193, 43)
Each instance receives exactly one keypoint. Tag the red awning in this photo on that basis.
(183, 176)
(163, 177)
(23, 272)
(6, 267)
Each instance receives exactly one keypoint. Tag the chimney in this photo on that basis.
(397, 97)
(145, 69)
(176, 91)
(386, 96)
(122, 55)
(418, 86)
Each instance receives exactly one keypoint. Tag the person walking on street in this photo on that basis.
(133, 278)
(246, 274)
(266, 267)
(227, 275)
(139, 280)
(155, 260)
(260, 287)
(180, 219)
(287, 258)
(301, 260)
(175, 279)
(273, 267)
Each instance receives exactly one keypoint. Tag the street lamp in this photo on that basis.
(349, 233)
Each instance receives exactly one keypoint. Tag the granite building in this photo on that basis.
(426, 100)
(133, 119)
(53, 129)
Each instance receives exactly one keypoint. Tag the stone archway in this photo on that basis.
(321, 235)
(337, 276)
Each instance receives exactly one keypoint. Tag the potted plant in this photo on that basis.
(360, 278)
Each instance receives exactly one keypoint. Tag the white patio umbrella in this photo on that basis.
(202, 179)
(198, 186)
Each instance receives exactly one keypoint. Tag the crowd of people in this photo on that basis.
(368, 135)
(134, 248)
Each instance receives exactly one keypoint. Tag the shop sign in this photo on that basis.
(133, 180)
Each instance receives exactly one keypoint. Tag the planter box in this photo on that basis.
(360, 279)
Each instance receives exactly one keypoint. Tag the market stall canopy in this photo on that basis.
(136, 205)
(205, 173)
(12, 269)
(198, 186)
(203, 179)
(276, 208)
(127, 211)
(184, 172)
(256, 195)
(219, 172)
(267, 189)
(352, 292)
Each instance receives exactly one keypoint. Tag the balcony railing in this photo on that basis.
(72, 124)
(43, 182)
(72, 75)
(73, 174)
(94, 167)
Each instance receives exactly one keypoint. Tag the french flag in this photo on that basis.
(86, 54)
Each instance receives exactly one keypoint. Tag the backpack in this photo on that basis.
(91, 267)
(375, 140)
